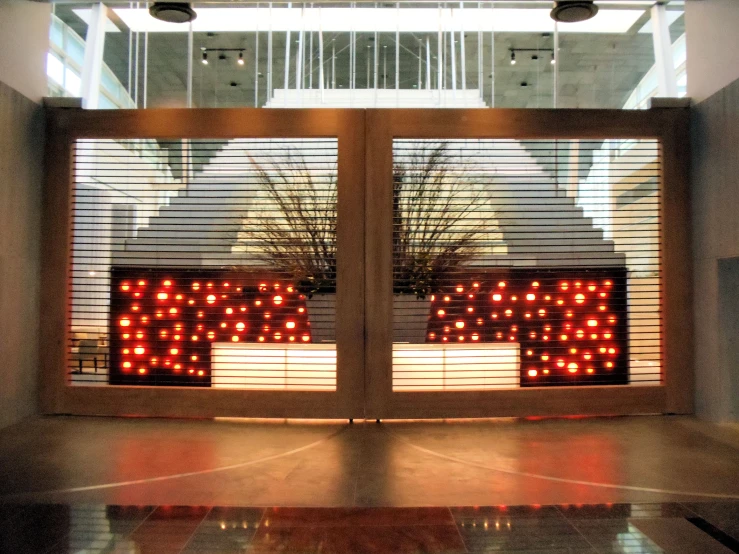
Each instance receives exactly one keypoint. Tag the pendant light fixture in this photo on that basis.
(173, 12)
(573, 11)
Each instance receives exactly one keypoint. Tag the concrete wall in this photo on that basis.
(24, 41)
(712, 28)
(24, 29)
(715, 198)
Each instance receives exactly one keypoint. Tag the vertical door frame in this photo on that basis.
(667, 125)
(364, 281)
(65, 126)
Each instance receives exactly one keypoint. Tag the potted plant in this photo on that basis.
(436, 232)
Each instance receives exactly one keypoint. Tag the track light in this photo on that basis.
(513, 57)
(240, 61)
(205, 57)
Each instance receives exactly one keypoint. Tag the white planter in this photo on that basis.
(410, 318)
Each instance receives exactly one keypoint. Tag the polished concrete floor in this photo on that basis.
(672, 528)
(367, 487)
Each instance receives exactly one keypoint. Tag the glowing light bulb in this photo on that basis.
(196, 286)
(545, 357)
(509, 313)
(502, 284)
(564, 286)
(441, 313)
(592, 322)
(240, 326)
(125, 322)
(535, 284)
(459, 288)
(235, 338)
(125, 286)
(572, 367)
(459, 324)
(162, 296)
(497, 297)
(533, 373)
(306, 338)
(475, 337)
(210, 299)
(530, 297)
(126, 365)
(580, 298)
(229, 311)
(139, 350)
(277, 300)
(560, 363)
(174, 351)
(290, 325)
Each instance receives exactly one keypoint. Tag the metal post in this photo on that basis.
(333, 63)
(428, 63)
(320, 55)
(492, 56)
(556, 64)
(93, 63)
(256, 62)
(384, 68)
(663, 61)
(287, 59)
(269, 55)
(397, 51)
(439, 56)
(461, 47)
(146, 67)
(190, 56)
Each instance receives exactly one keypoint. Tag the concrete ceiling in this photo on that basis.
(594, 70)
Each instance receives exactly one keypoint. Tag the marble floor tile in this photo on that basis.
(441, 539)
(679, 536)
(522, 534)
(615, 536)
(724, 515)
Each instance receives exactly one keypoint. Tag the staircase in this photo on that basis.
(200, 226)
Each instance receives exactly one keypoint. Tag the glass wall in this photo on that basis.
(361, 54)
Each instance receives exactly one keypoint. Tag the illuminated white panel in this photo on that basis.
(381, 20)
(274, 366)
(428, 367)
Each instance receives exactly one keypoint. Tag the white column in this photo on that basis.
(667, 80)
(93, 65)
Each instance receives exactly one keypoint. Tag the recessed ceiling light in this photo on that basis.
(173, 12)
(573, 11)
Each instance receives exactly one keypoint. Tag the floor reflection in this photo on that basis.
(609, 528)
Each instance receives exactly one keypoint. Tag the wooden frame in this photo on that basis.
(364, 289)
(65, 126)
(669, 126)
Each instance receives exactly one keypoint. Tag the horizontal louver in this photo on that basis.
(204, 263)
(525, 263)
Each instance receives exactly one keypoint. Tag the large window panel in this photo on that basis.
(525, 263)
(204, 263)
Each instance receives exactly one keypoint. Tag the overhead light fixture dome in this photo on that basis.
(573, 11)
(172, 12)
